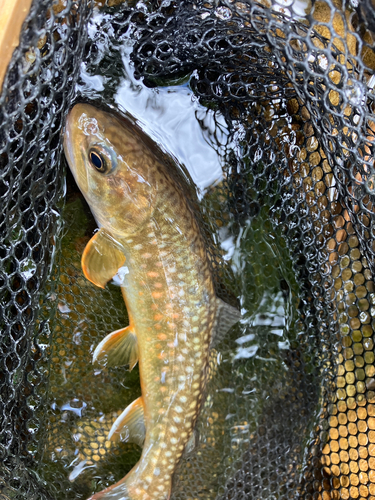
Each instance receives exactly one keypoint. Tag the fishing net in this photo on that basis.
(287, 87)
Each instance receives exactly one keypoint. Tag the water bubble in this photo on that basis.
(63, 308)
(370, 184)
(356, 94)
(78, 469)
(28, 269)
(119, 277)
(322, 61)
(223, 13)
(371, 82)
(246, 352)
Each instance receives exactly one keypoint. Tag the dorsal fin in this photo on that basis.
(226, 317)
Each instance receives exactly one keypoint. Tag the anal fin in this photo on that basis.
(130, 425)
(118, 348)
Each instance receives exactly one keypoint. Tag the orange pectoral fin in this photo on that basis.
(102, 258)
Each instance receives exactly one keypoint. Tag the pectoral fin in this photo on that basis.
(226, 317)
(118, 348)
(102, 258)
(130, 425)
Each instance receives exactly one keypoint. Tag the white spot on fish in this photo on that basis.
(183, 399)
(119, 277)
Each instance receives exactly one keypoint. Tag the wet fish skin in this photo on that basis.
(168, 289)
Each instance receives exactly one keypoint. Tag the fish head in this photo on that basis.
(112, 167)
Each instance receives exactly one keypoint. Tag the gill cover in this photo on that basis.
(113, 168)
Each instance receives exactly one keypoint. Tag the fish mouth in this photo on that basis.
(72, 132)
(75, 149)
(69, 141)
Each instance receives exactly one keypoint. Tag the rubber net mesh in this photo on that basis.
(290, 407)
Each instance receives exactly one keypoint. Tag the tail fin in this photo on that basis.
(117, 491)
(120, 491)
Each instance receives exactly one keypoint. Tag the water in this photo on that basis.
(249, 367)
(172, 116)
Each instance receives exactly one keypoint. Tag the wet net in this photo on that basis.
(290, 407)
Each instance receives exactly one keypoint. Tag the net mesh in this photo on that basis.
(290, 408)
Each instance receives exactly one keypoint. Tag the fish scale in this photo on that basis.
(150, 237)
(170, 333)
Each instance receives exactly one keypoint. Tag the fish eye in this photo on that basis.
(102, 158)
(98, 161)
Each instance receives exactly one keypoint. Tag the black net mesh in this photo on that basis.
(290, 407)
(36, 94)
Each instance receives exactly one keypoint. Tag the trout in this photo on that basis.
(149, 239)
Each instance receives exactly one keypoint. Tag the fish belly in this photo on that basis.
(172, 305)
(170, 297)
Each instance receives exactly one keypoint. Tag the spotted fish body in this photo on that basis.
(149, 231)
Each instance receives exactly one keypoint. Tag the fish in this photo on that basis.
(149, 240)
